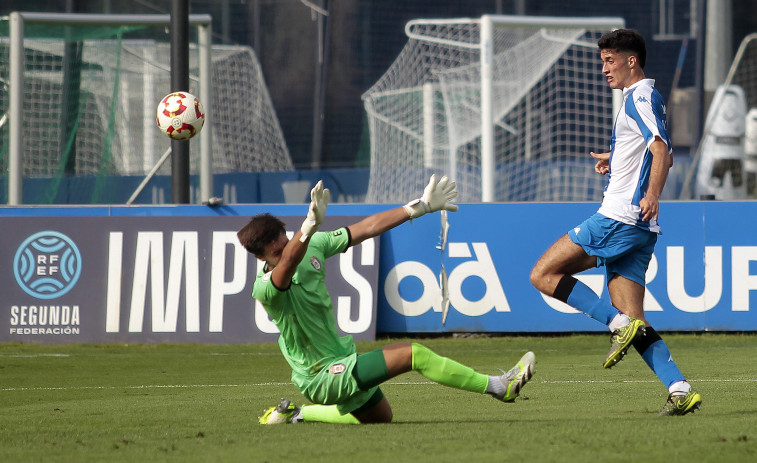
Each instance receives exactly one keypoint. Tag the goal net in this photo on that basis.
(90, 92)
(507, 106)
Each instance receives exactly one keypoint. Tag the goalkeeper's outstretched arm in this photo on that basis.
(438, 195)
(295, 249)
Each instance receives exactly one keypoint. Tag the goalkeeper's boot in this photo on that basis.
(283, 413)
(681, 404)
(621, 340)
(514, 380)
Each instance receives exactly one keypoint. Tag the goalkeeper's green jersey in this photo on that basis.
(304, 313)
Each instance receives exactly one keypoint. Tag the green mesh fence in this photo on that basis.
(73, 109)
(88, 120)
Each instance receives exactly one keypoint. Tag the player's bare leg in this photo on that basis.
(564, 257)
(628, 297)
(553, 275)
(379, 413)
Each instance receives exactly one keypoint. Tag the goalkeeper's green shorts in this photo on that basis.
(336, 385)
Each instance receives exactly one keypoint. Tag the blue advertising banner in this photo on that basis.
(703, 275)
(156, 279)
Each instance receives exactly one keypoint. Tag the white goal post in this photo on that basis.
(452, 93)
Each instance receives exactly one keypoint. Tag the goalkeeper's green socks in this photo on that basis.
(326, 414)
(446, 371)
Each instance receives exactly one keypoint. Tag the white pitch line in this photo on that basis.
(601, 381)
(242, 353)
(391, 383)
(82, 355)
(171, 386)
(143, 386)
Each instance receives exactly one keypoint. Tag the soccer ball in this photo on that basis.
(180, 115)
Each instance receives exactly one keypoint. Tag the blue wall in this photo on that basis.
(346, 185)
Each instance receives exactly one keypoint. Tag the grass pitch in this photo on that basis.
(199, 403)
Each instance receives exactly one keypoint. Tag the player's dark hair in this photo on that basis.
(262, 230)
(625, 41)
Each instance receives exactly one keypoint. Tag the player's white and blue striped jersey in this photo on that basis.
(641, 119)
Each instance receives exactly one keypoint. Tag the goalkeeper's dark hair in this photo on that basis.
(262, 230)
(625, 41)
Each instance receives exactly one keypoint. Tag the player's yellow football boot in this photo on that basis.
(283, 413)
(681, 404)
(621, 340)
(514, 380)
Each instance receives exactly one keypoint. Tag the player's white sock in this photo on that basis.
(680, 388)
(619, 321)
(495, 386)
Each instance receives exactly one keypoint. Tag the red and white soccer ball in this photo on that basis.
(180, 115)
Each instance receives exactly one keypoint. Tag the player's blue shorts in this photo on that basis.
(623, 249)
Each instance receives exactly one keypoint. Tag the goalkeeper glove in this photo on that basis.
(319, 200)
(436, 196)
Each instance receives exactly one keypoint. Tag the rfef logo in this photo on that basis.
(47, 265)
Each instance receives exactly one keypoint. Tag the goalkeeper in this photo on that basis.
(342, 385)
